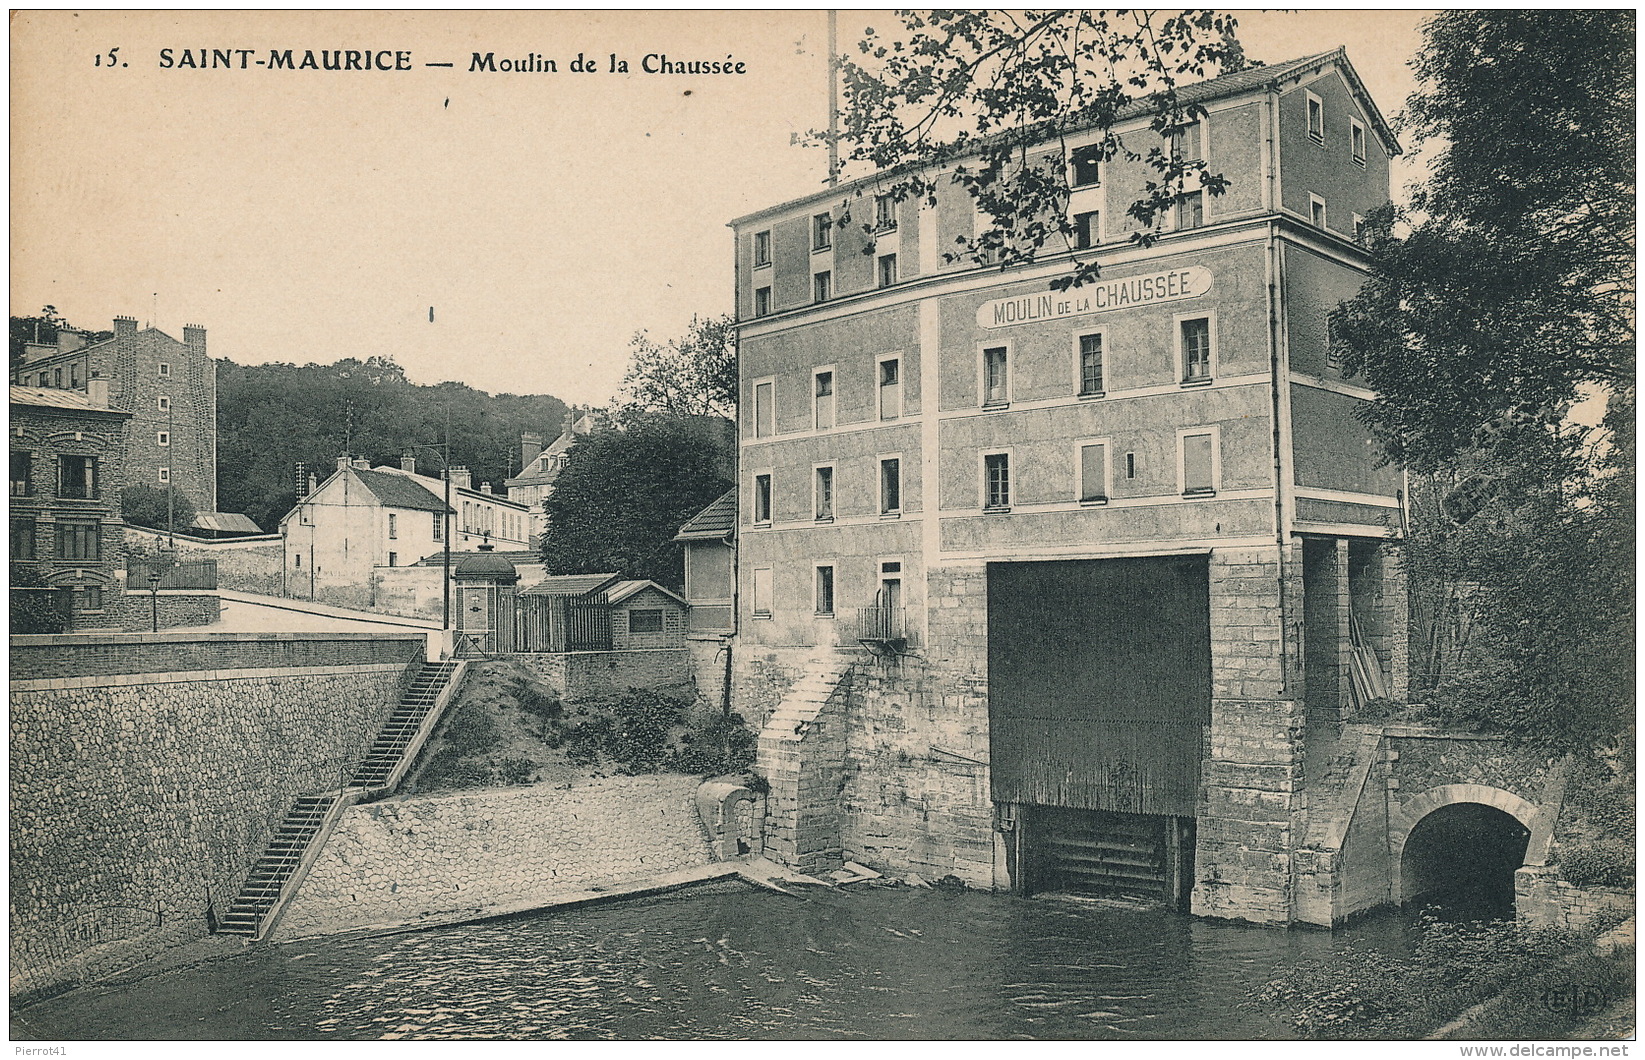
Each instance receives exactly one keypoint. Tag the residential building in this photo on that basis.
(709, 539)
(540, 466)
(1076, 570)
(362, 519)
(168, 387)
(67, 454)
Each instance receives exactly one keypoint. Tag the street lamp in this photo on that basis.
(154, 599)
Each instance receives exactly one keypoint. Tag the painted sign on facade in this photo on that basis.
(1100, 297)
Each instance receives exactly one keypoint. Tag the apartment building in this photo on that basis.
(1082, 574)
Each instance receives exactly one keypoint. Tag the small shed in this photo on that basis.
(566, 612)
(645, 615)
(485, 590)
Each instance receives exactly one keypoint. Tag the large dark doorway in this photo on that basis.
(1099, 682)
(1464, 854)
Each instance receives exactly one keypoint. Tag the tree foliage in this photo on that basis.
(272, 416)
(624, 494)
(692, 376)
(1500, 299)
(986, 100)
(43, 328)
(147, 506)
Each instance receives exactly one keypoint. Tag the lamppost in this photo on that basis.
(154, 600)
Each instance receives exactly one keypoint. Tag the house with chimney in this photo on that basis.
(363, 521)
(540, 465)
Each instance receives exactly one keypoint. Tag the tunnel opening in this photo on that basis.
(1462, 857)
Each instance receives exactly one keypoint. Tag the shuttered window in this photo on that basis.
(1094, 472)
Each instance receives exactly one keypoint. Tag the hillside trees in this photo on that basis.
(1498, 316)
(985, 99)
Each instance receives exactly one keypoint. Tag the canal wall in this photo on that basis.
(148, 772)
(440, 858)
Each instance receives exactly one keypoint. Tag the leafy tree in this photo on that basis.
(43, 328)
(693, 376)
(992, 95)
(33, 609)
(1498, 300)
(147, 506)
(624, 493)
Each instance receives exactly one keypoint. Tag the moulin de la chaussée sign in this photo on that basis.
(1100, 297)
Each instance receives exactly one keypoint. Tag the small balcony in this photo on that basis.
(882, 629)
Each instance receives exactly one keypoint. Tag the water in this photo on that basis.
(727, 961)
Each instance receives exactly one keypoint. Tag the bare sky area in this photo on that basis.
(306, 215)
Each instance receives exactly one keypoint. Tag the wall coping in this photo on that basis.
(178, 677)
(80, 640)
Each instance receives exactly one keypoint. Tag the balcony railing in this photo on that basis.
(882, 625)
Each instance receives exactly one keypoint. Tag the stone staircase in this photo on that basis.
(389, 749)
(802, 754)
(309, 816)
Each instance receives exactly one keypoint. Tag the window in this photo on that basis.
(645, 620)
(762, 248)
(885, 213)
(22, 538)
(1195, 343)
(1093, 473)
(891, 486)
(995, 376)
(296, 559)
(164, 474)
(1316, 119)
(762, 499)
(822, 286)
(1085, 230)
(822, 402)
(1190, 210)
(22, 474)
(1316, 210)
(1130, 465)
(439, 526)
(996, 474)
(1356, 141)
(822, 231)
(163, 403)
(890, 389)
(1087, 165)
(1362, 233)
(765, 396)
(822, 494)
(1197, 461)
(44, 378)
(74, 376)
(762, 591)
(162, 438)
(762, 301)
(1090, 353)
(393, 528)
(1186, 145)
(888, 269)
(79, 539)
(825, 590)
(57, 377)
(77, 477)
(87, 598)
(393, 559)
(165, 370)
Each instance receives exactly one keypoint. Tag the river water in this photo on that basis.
(729, 961)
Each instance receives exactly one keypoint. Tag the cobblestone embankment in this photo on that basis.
(435, 859)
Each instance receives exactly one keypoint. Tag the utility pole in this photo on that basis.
(833, 99)
(171, 479)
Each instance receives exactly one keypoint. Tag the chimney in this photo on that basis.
(124, 326)
(68, 341)
(97, 390)
(313, 483)
(461, 478)
(195, 335)
(343, 462)
(408, 462)
(485, 487)
(531, 446)
(360, 463)
(570, 420)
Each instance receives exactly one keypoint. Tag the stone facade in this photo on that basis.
(445, 857)
(138, 794)
(249, 565)
(584, 674)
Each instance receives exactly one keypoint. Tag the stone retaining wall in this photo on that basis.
(583, 674)
(1543, 900)
(446, 857)
(72, 655)
(135, 796)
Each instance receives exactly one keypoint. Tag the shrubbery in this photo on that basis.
(1601, 863)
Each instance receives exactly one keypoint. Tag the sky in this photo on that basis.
(510, 230)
